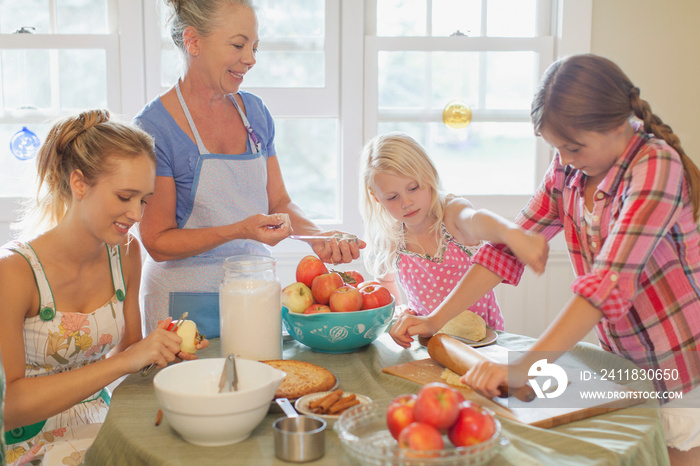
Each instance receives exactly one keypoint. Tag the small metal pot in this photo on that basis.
(299, 439)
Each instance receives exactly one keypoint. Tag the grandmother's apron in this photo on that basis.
(226, 189)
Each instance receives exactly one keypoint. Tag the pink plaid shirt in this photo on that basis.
(641, 264)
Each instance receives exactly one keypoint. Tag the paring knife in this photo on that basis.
(148, 369)
(339, 237)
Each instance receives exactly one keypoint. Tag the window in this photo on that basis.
(57, 58)
(485, 54)
(333, 73)
(296, 74)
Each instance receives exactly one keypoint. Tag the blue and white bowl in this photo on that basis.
(338, 332)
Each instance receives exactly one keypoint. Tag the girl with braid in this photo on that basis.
(627, 198)
(70, 322)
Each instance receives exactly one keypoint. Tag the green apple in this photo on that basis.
(297, 297)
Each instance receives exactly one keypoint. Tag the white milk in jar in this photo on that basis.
(250, 308)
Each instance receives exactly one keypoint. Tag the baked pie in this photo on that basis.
(302, 378)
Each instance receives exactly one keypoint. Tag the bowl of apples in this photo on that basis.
(436, 427)
(334, 312)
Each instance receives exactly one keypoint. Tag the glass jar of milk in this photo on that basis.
(250, 308)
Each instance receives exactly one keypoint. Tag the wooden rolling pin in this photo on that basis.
(459, 358)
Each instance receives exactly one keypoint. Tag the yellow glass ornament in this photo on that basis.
(457, 114)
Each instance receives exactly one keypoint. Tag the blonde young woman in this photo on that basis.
(70, 323)
(425, 236)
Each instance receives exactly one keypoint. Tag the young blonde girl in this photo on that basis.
(70, 322)
(628, 198)
(426, 237)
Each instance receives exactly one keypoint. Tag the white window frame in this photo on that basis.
(571, 21)
(123, 46)
(133, 76)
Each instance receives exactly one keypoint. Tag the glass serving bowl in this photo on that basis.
(363, 432)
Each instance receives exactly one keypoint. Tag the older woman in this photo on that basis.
(219, 189)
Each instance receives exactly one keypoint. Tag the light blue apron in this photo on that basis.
(226, 189)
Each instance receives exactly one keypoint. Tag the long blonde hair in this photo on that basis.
(401, 155)
(591, 93)
(86, 142)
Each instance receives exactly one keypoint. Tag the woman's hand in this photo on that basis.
(530, 248)
(190, 356)
(159, 347)
(408, 325)
(268, 229)
(337, 252)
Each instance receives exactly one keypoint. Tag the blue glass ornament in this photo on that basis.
(24, 144)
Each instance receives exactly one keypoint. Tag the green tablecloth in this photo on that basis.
(632, 436)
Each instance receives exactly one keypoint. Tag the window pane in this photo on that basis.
(287, 69)
(25, 79)
(308, 156)
(484, 158)
(17, 177)
(511, 18)
(401, 79)
(27, 76)
(291, 52)
(81, 16)
(510, 81)
(456, 76)
(450, 16)
(401, 18)
(507, 82)
(15, 14)
(274, 19)
(87, 67)
(72, 16)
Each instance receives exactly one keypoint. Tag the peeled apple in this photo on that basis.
(190, 337)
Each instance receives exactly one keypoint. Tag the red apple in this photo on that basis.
(420, 436)
(323, 285)
(352, 277)
(374, 296)
(346, 299)
(309, 268)
(438, 405)
(297, 297)
(317, 309)
(399, 414)
(368, 282)
(474, 425)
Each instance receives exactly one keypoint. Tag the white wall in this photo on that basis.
(656, 43)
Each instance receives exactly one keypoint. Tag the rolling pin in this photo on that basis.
(459, 358)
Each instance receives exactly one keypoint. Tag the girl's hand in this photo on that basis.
(268, 229)
(486, 376)
(530, 248)
(337, 252)
(159, 347)
(408, 325)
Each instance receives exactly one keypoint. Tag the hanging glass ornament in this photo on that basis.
(457, 114)
(24, 144)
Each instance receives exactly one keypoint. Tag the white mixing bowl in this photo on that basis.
(188, 394)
